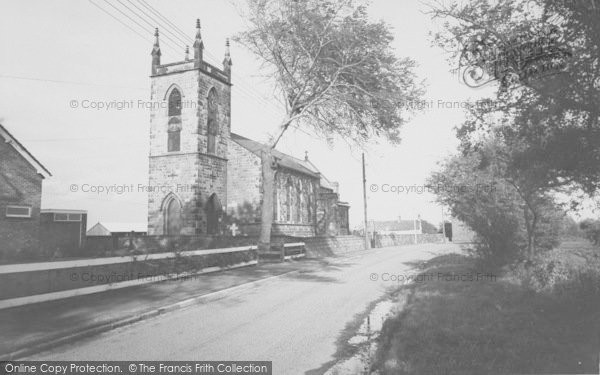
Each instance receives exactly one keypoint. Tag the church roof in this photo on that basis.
(24, 152)
(285, 160)
(324, 180)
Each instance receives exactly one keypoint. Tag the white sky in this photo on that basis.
(75, 41)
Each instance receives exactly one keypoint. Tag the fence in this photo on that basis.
(36, 282)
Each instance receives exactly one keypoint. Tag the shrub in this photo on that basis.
(556, 273)
(591, 228)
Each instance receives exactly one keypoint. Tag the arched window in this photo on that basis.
(301, 211)
(289, 196)
(174, 126)
(212, 124)
(175, 103)
(174, 132)
(309, 203)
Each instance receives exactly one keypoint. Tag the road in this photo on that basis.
(293, 321)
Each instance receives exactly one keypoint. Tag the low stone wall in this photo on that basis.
(142, 244)
(20, 280)
(430, 238)
(317, 247)
(28, 279)
(386, 240)
(280, 229)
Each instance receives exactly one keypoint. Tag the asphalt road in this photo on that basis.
(293, 321)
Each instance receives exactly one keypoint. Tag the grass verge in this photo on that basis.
(452, 325)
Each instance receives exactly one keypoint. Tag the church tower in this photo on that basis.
(189, 132)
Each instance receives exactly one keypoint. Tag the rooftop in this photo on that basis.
(4, 133)
(284, 160)
(107, 228)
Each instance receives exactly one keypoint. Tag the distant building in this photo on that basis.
(107, 229)
(63, 230)
(412, 226)
(203, 177)
(21, 176)
(114, 235)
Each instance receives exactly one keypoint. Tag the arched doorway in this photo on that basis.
(213, 214)
(172, 216)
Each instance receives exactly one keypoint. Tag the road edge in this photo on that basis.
(38, 346)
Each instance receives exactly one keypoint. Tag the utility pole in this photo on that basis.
(443, 224)
(415, 230)
(367, 244)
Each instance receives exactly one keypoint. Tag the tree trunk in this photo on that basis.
(268, 185)
(531, 224)
(533, 237)
(529, 231)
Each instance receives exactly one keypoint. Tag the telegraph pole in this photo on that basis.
(443, 224)
(367, 244)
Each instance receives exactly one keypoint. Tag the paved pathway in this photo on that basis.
(293, 321)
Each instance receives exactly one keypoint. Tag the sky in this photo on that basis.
(61, 58)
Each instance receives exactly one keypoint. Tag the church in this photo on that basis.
(214, 175)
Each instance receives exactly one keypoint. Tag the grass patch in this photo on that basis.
(490, 326)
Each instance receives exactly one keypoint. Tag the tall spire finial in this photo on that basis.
(306, 155)
(155, 53)
(198, 44)
(187, 53)
(227, 60)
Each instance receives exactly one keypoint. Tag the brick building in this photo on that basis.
(203, 177)
(62, 231)
(21, 177)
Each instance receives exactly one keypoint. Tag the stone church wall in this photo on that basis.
(243, 185)
(298, 216)
(191, 174)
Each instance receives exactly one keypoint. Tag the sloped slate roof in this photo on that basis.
(285, 160)
(4, 133)
(324, 180)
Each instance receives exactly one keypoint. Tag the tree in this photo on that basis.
(503, 199)
(491, 214)
(549, 113)
(334, 72)
(544, 56)
(591, 228)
